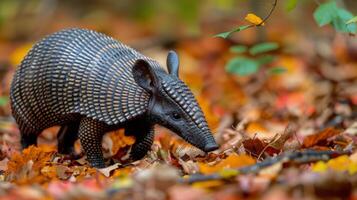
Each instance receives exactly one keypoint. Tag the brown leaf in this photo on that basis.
(257, 147)
(320, 138)
(282, 138)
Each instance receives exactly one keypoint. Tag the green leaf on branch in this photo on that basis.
(238, 49)
(329, 13)
(277, 70)
(228, 33)
(353, 20)
(242, 66)
(263, 48)
(325, 13)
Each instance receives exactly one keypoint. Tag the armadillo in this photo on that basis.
(89, 84)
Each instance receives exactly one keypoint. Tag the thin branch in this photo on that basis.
(270, 13)
(226, 34)
(302, 157)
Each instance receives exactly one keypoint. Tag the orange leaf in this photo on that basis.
(27, 166)
(120, 140)
(255, 127)
(232, 161)
(19, 54)
(252, 18)
(320, 138)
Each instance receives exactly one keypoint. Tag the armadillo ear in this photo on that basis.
(172, 63)
(144, 75)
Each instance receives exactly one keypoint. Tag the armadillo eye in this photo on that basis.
(176, 116)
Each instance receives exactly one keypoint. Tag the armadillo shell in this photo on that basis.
(78, 71)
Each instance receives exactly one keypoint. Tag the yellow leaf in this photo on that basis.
(252, 18)
(232, 161)
(123, 182)
(320, 166)
(18, 55)
(208, 184)
(228, 173)
(340, 163)
(352, 168)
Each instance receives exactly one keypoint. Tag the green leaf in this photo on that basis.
(325, 13)
(265, 59)
(290, 5)
(4, 100)
(339, 23)
(277, 70)
(238, 49)
(329, 13)
(228, 33)
(242, 66)
(353, 20)
(263, 48)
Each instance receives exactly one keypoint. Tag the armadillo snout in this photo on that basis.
(211, 147)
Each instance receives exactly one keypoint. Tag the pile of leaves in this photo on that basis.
(244, 166)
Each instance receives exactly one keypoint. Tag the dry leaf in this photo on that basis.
(232, 161)
(106, 171)
(26, 166)
(320, 138)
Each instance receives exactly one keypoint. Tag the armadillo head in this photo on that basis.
(172, 103)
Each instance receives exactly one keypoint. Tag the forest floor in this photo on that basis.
(282, 136)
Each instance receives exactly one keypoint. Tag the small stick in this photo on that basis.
(301, 157)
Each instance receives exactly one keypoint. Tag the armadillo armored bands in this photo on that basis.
(89, 84)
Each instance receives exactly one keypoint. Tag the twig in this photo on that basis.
(302, 157)
(267, 146)
(251, 25)
(270, 12)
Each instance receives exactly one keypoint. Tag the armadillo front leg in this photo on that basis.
(67, 136)
(142, 145)
(144, 134)
(90, 135)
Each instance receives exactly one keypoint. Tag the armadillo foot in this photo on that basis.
(90, 135)
(96, 161)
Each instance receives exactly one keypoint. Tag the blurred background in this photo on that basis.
(308, 78)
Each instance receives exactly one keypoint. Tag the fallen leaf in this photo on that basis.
(22, 168)
(340, 164)
(208, 184)
(106, 171)
(232, 161)
(282, 138)
(320, 138)
(257, 147)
